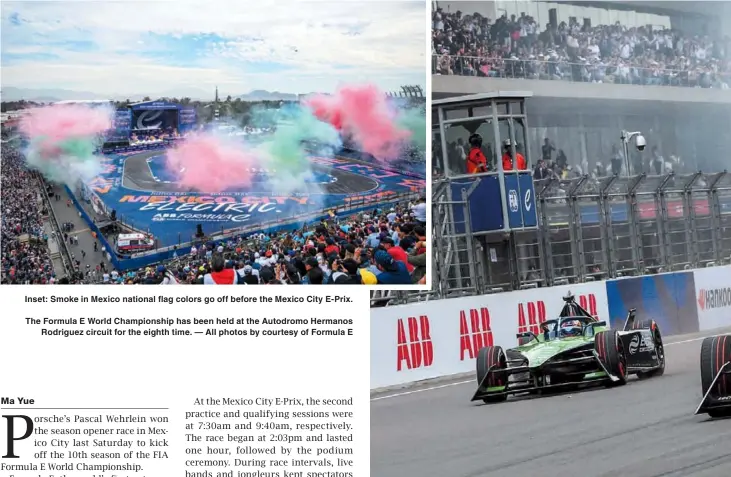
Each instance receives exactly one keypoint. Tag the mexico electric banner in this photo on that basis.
(439, 338)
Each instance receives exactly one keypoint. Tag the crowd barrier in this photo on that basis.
(439, 338)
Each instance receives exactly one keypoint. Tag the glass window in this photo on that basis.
(482, 111)
(458, 145)
(456, 113)
(507, 146)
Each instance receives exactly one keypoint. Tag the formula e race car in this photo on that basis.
(571, 350)
(716, 376)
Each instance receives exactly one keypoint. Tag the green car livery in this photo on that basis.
(572, 349)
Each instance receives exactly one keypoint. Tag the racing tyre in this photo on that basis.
(488, 357)
(609, 348)
(715, 352)
(659, 348)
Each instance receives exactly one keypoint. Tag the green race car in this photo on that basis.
(572, 349)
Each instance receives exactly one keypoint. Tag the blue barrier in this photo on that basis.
(667, 298)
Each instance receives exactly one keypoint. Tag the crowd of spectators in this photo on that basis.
(24, 252)
(386, 247)
(382, 246)
(517, 47)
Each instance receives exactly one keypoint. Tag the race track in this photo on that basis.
(137, 176)
(643, 429)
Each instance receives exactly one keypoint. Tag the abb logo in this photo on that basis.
(588, 302)
(474, 333)
(414, 349)
(536, 311)
(533, 313)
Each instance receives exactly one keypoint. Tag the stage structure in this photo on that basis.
(153, 115)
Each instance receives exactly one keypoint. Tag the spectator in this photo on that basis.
(220, 275)
(616, 161)
(25, 256)
(315, 276)
(398, 253)
(419, 211)
(547, 151)
(392, 272)
(514, 47)
(657, 161)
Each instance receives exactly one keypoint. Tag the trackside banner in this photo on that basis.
(442, 337)
(713, 297)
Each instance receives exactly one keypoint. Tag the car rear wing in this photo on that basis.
(711, 401)
(630, 321)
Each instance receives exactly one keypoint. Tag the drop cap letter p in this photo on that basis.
(10, 436)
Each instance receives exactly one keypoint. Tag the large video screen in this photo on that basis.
(154, 119)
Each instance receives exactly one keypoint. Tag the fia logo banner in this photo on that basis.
(513, 200)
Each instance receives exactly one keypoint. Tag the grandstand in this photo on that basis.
(74, 234)
(566, 78)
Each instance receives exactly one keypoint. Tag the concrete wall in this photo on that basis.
(445, 86)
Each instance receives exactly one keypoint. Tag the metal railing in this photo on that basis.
(589, 229)
(578, 72)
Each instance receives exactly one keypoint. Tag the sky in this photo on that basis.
(187, 47)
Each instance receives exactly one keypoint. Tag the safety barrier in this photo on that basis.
(439, 338)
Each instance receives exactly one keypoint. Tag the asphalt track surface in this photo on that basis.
(137, 176)
(643, 429)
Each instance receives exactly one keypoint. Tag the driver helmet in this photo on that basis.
(475, 140)
(571, 328)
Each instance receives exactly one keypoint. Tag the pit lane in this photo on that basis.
(137, 176)
(644, 429)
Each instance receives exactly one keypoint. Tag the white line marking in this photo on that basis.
(472, 381)
(422, 390)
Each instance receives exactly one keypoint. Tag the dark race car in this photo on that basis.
(572, 349)
(716, 376)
